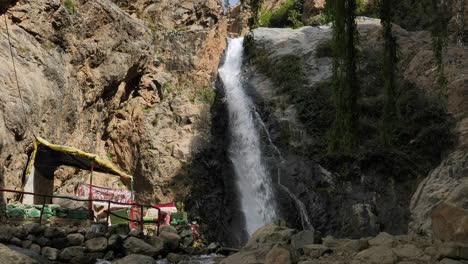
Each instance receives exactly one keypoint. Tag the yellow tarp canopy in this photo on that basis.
(57, 155)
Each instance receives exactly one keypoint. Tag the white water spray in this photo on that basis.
(252, 179)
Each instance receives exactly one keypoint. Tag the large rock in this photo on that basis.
(98, 244)
(71, 252)
(8, 255)
(273, 232)
(133, 245)
(315, 250)
(247, 257)
(376, 255)
(383, 239)
(448, 184)
(303, 238)
(75, 239)
(135, 259)
(6, 233)
(454, 250)
(50, 253)
(172, 239)
(54, 232)
(450, 223)
(278, 255)
(408, 251)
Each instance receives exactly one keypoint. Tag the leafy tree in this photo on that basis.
(440, 10)
(255, 6)
(343, 134)
(390, 59)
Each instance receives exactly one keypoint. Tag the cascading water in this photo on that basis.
(253, 181)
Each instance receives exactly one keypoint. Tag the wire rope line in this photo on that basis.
(15, 73)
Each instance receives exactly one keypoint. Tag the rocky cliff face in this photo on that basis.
(372, 201)
(114, 79)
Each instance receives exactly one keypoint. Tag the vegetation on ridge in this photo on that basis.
(342, 135)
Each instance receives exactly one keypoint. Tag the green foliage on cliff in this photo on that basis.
(70, 5)
(343, 134)
(287, 15)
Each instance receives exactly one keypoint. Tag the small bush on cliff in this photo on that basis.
(287, 15)
(70, 5)
(205, 95)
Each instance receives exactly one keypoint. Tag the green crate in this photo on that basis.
(78, 214)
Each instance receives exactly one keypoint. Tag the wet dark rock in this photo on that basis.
(98, 244)
(71, 252)
(75, 239)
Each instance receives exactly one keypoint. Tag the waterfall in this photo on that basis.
(252, 179)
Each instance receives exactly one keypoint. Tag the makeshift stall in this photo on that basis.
(47, 157)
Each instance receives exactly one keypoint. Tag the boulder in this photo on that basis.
(383, 239)
(454, 250)
(407, 251)
(16, 241)
(278, 255)
(376, 255)
(36, 248)
(450, 261)
(6, 233)
(60, 243)
(54, 232)
(43, 241)
(247, 257)
(303, 238)
(172, 240)
(315, 250)
(136, 259)
(355, 245)
(26, 244)
(20, 233)
(71, 252)
(450, 223)
(8, 255)
(158, 243)
(34, 228)
(114, 242)
(133, 245)
(445, 184)
(75, 239)
(50, 253)
(109, 255)
(98, 244)
(273, 232)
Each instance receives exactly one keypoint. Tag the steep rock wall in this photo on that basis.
(373, 201)
(99, 76)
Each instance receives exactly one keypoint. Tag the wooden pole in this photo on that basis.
(108, 214)
(90, 210)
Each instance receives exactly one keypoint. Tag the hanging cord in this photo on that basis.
(16, 74)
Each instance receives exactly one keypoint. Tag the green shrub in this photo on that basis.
(205, 95)
(264, 18)
(287, 15)
(70, 5)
